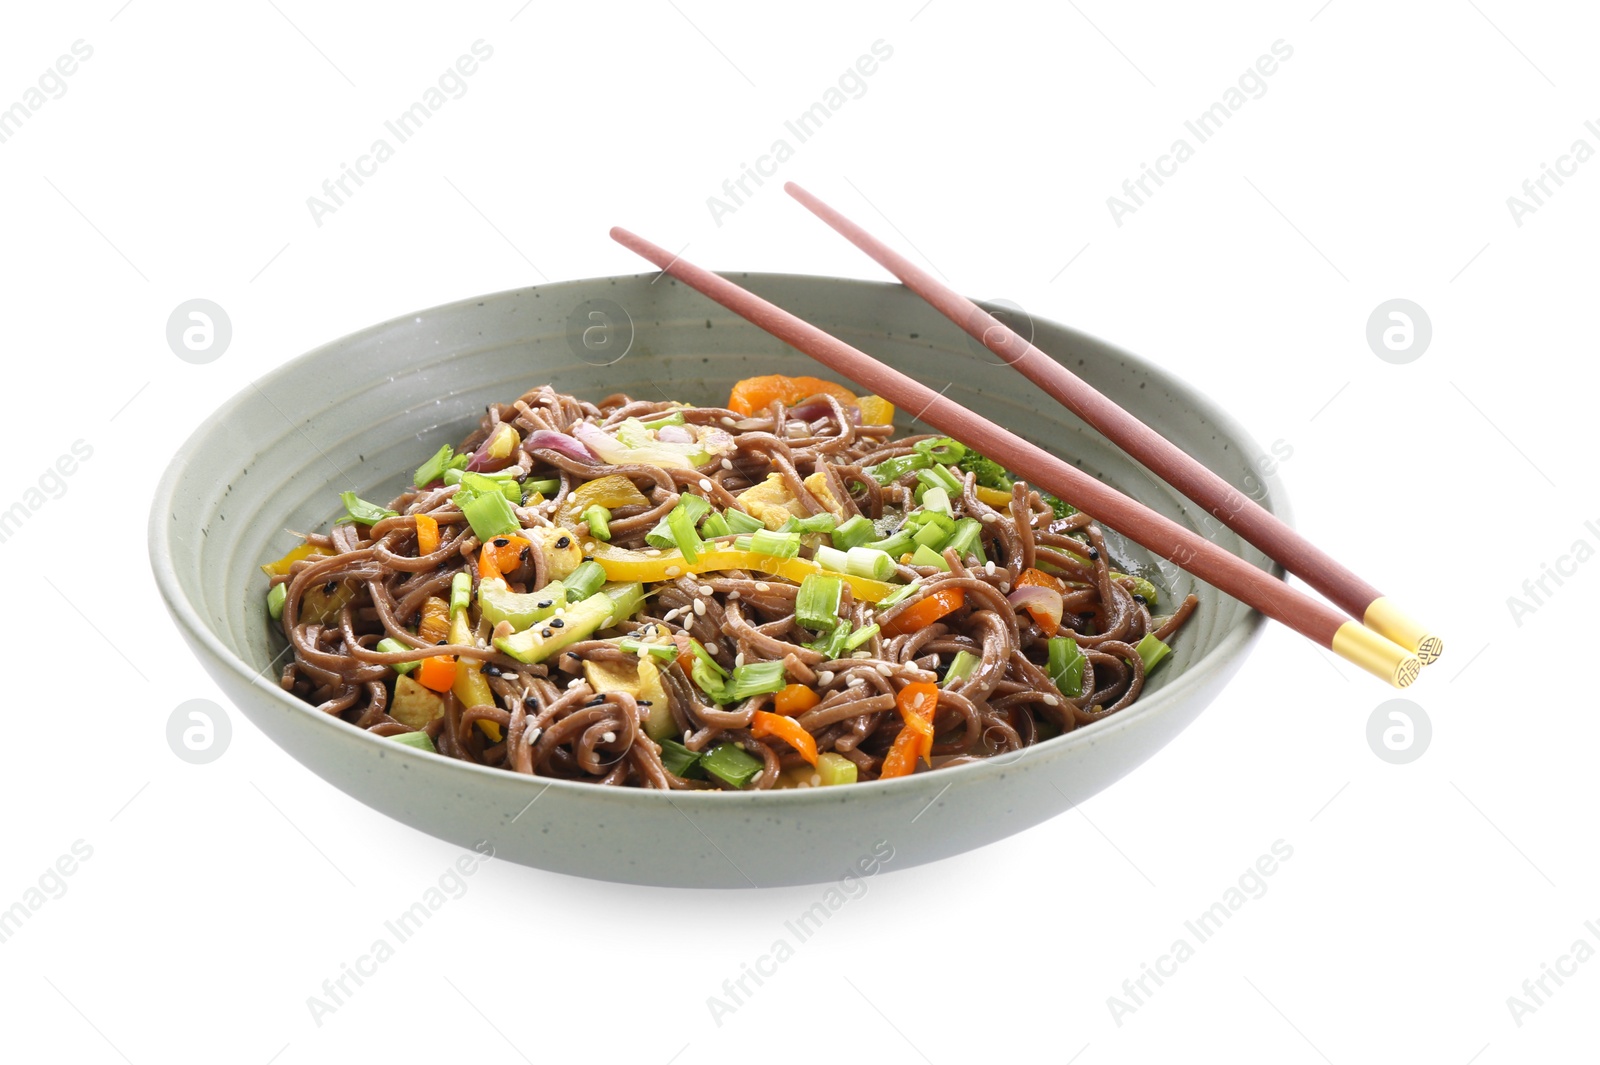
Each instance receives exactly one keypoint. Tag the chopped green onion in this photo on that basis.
(831, 644)
(769, 543)
(870, 562)
(662, 536)
(961, 668)
(740, 522)
(816, 523)
(896, 545)
(419, 740)
(1152, 650)
(937, 500)
(675, 418)
(434, 469)
(731, 763)
(680, 523)
(680, 760)
(832, 558)
(706, 674)
(715, 525)
(933, 534)
(510, 473)
(275, 599)
(939, 477)
(389, 645)
(477, 483)
(755, 678)
(860, 636)
(460, 591)
(902, 592)
(834, 769)
(817, 604)
(598, 519)
(489, 514)
(1141, 587)
(966, 539)
(927, 556)
(549, 486)
(704, 658)
(941, 450)
(853, 533)
(667, 651)
(584, 581)
(362, 511)
(626, 599)
(1064, 666)
(890, 470)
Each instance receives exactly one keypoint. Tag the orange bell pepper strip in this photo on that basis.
(427, 534)
(901, 761)
(757, 393)
(787, 729)
(795, 699)
(925, 611)
(499, 555)
(917, 703)
(438, 673)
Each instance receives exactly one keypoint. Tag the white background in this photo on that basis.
(1377, 165)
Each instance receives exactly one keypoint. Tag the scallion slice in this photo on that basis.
(731, 763)
(869, 562)
(598, 519)
(1064, 666)
(434, 469)
(460, 591)
(740, 522)
(584, 581)
(363, 512)
(275, 599)
(677, 759)
(860, 636)
(389, 645)
(419, 740)
(966, 539)
(853, 533)
(817, 604)
(941, 450)
(961, 668)
(755, 678)
(1152, 650)
(927, 556)
(715, 525)
(890, 470)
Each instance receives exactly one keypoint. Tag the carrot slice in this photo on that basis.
(795, 699)
(438, 673)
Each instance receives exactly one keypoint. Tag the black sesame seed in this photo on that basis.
(546, 604)
(330, 587)
(530, 702)
(547, 634)
(1094, 556)
(643, 702)
(1141, 600)
(588, 558)
(525, 554)
(596, 701)
(557, 623)
(501, 541)
(491, 670)
(564, 543)
(440, 643)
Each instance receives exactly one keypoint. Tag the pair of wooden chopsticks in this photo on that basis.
(1385, 642)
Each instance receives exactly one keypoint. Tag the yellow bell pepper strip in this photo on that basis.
(787, 729)
(992, 496)
(875, 410)
(612, 491)
(469, 684)
(435, 623)
(293, 555)
(622, 565)
(427, 534)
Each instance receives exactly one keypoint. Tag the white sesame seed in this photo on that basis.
(700, 608)
(531, 737)
(712, 649)
(825, 678)
(671, 615)
(738, 659)
(1051, 700)
(727, 465)
(674, 571)
(816, 780)
(608, 737)
(705, 589)
(862, 654)
(652, 551)
(990, 518)
(884, 669)
(856, 682)
(729, 422)
(705, 484)
(574, 682)
(802, 784)
(763, 586)
(1005, 586)
(988, 567)
(733, 595)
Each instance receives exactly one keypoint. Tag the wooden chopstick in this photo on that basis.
(1312, 618)
(1230, 506)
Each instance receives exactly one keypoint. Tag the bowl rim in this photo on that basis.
(1233, 646)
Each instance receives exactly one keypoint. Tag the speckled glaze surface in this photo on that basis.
(363, 411)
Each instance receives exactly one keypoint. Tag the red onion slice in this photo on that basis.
(552, 441)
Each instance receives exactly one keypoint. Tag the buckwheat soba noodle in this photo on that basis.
(779, 593)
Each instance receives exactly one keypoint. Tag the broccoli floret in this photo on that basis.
(990, 474)
(1060, 507)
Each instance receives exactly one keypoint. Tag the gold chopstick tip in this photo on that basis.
(1376, 654)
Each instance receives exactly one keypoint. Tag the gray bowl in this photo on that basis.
(362, 412)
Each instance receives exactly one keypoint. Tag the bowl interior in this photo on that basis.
(362, 413)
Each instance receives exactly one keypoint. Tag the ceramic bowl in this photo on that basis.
(363, 411)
